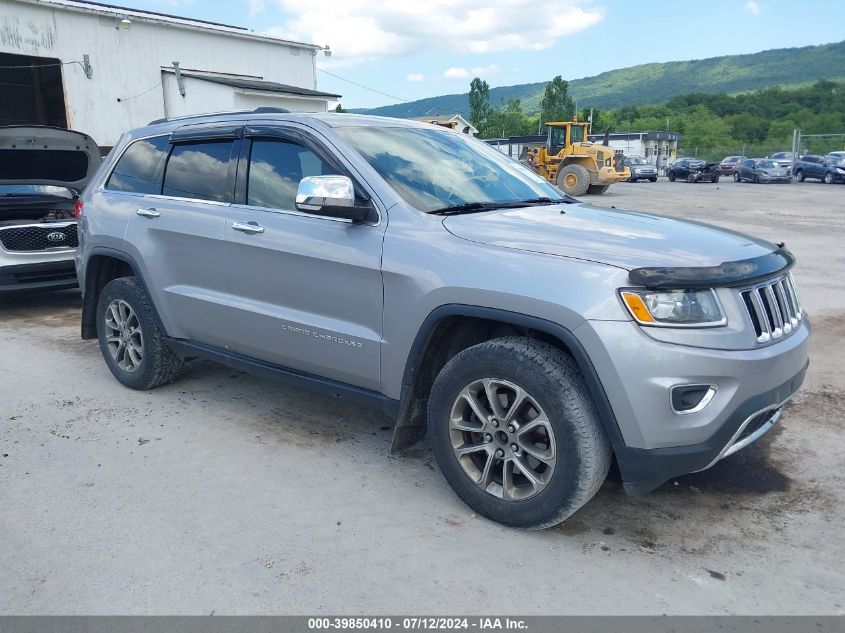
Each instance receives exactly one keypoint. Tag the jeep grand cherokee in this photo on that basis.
(420, 271)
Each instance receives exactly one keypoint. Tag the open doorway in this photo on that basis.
(32, 91)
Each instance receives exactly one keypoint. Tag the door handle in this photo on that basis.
(248, 227)
(147, 213)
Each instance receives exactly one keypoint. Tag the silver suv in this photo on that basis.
(420, 271)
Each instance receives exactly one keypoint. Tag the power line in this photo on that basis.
(43, 65)
(349, 81)
(119, 100)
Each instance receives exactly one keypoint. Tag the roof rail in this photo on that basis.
(261, 110)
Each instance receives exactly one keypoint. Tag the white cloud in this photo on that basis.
(752, 7)
(456, 73)
(415, 77)
(256, 7)
(464, 73)
(363, 29)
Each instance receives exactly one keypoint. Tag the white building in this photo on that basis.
(658, 148)
(455, 122)
(102, 69)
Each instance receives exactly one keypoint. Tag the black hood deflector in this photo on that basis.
(727, 274)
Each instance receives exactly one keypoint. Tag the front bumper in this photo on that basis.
(609, 176)
(638, 373)
(38, 276)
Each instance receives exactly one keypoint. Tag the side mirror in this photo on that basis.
(333, 196)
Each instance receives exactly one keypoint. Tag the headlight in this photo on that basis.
(840, 170)
(674, 308)
(765, 173)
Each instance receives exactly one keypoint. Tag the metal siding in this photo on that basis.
(128, 62)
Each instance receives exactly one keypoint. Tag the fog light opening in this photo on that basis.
(686, 399)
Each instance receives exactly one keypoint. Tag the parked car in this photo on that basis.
(42, 171)
(783, 159)
(837, 154)
(728, 165)
(420, 271)
(829, 169)
(761, 170)
(641, 169)
(693, 170)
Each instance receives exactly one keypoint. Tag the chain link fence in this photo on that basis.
(807, 144)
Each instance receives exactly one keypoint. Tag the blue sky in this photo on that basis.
(419, 48)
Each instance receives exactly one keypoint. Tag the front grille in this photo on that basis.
(774, 308)
(39, 237)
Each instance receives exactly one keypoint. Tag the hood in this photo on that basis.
(626, 239)
(775, 171)
(42, 155)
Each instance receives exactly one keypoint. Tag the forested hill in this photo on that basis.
(657, 83)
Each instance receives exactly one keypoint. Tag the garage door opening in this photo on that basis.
(32, 91)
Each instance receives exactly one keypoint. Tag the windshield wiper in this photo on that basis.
(472, 207)
(477, 207)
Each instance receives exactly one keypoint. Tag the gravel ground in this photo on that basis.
(229, 494)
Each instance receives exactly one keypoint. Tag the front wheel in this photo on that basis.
(653, 179)
(671, 176)
(736, 177)
(691, 178)
(574, 180)
(130, 339)
(716, 178)
(799, 175)
(828, 178)
(515, 432)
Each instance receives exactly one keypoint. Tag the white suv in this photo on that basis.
(42, 172)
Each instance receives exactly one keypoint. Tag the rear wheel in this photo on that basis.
(515, 432)
(130, 339)
(574, 180)
(598, 189)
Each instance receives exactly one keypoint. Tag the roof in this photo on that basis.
(443, 118)
(246, 83)
(101, 8)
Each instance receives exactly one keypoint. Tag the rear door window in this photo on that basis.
(138, 169)
(200, 171)
(275, 169)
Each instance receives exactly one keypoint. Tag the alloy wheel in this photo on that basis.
(124, 338)
(502, 439)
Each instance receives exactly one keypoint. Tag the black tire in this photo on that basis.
(580, 177)
(828, 178)
(597, 189)
(799, 175)
(691, 178)
(653, 179)
(158, 364)
(755, 179)
(737, 177)
(671, 176)
(554, 382)
(716, 178)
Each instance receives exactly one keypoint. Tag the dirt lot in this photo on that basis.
(228, 494)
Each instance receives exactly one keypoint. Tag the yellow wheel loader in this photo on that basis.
(575, 164)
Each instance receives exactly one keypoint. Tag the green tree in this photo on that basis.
(556, 104)
(339, 109)
(479, 102)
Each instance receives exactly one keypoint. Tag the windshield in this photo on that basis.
(636, 160)
(35, 190)
(432, 169)
(766, 164)
(836, 160)
(732, 159)
(782, 155)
